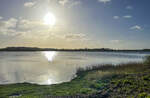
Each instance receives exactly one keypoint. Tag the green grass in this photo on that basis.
(124, 80)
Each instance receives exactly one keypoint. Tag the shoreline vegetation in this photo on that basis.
(130, 80)
(18, 49)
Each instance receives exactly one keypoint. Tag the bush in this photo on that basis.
(96, 86)
(142, 95)
(85, 90)
(147, 60)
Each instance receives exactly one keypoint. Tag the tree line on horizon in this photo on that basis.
(55, 49)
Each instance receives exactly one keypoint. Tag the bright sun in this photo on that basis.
(49, 19)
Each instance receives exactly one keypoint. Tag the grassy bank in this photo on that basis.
(124, 80)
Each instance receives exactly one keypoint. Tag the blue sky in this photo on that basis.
(118, 24)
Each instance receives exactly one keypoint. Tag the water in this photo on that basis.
(52, 67)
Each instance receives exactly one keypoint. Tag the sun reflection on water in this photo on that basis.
(49, 81)
(50, 55)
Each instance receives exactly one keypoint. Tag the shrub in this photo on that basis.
(142, 95)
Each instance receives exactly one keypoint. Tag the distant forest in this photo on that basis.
(86, 49)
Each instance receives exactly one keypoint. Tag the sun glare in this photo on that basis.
(50, 55)
(49, 81)
(49, 19)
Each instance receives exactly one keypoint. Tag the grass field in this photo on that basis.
(109, 81)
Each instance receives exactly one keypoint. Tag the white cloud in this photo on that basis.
(30, 28)
(7, 27)
(1, 17)
(63, 2)
(114, 41)
(129, 7)
(34, 32)
(10, 23)
(25, 24)
(136, 27)
(74, 36)
(116, 17)
(75, 3)
(69, 3)
(127, 16)
(29, 4)
(104, 1)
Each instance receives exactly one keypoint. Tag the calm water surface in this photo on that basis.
(52, 67)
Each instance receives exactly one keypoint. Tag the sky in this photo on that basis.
(116, 24)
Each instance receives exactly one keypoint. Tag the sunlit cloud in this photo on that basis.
(68, 3)
(116, 17)
(127, 16)
(104, 1)
(63, 2)
(129, 7)
(75, 3)
(136, 27)
(114, 41)
(7, 26)
(29, 4)
(74, 36)
(1, 17)
(35, 32)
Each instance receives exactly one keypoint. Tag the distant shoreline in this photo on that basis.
(28, 49)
